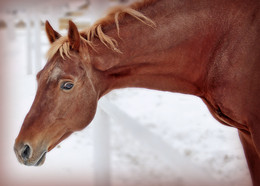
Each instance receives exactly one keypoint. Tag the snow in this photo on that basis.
(182, 121)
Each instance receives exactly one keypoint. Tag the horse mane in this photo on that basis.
(96, 30)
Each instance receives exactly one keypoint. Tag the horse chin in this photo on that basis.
(37, 162)
(67, 134)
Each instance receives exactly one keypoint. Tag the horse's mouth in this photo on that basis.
(41, 159)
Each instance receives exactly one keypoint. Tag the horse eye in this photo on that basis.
(67, 85)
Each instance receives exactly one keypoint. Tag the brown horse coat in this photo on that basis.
(205, 48)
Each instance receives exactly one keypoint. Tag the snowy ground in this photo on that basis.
(180, 120)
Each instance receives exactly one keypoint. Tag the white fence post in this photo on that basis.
(37, 42)
(11, 27)
(101, 149)
(29, 44)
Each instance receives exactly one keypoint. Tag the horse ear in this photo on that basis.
(51, 33)
(74, 37)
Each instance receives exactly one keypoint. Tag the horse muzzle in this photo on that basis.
(26, 155)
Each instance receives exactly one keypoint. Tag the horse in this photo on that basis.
(209, 49)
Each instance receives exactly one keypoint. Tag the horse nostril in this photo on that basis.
(26, 152)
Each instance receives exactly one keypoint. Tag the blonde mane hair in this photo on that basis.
(95, 31)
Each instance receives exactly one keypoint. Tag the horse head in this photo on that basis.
(65, 100)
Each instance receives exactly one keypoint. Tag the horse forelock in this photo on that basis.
(96, 31)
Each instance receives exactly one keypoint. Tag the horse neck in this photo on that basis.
(172, 57)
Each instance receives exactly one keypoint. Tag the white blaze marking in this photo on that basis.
(55, 74)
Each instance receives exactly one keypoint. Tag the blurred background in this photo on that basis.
(138, 137)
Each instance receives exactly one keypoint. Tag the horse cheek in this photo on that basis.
(85, 112)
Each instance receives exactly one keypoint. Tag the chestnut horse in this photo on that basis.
(209, 49)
